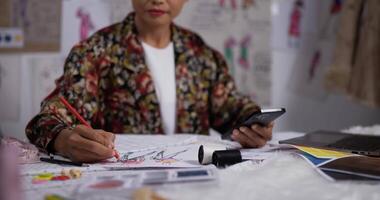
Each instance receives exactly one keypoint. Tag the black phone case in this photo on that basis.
(261, 118)
(258, 117)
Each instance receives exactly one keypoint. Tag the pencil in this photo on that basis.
(74, 112)
(81, 119)
(61, 162)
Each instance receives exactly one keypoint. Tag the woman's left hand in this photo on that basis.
(253, 137)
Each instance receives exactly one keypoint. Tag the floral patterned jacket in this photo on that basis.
(107, 80)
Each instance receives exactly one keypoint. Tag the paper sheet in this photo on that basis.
(81, 19)
(160, 151)
(144, 151)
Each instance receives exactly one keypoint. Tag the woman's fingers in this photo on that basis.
(108, 136)
(91, 146)
(95, 135)
(264, 131)
(255, 136)
(247, 139)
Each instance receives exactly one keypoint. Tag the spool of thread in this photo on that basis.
(226, 157)
(205, 153)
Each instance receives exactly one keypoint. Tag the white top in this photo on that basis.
(161, 64)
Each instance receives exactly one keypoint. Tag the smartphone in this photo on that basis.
(262, 117)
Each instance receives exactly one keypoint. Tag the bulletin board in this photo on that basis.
(30, 25)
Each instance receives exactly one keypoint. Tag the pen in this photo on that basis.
(221, 158)
(60, 162)
(84, 122)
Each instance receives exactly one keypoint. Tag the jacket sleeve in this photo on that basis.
(227, 104)
(79, 86)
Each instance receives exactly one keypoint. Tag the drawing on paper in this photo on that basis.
(294, 31)
(163, 157)
(86, 24)
(223, 4)
(245, 44)
(233, 4)
(248, 3)
(229, 46)
(327, 31)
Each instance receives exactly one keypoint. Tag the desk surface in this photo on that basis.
(284, 176)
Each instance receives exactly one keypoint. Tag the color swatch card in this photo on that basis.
(322, 153)
(11, 38)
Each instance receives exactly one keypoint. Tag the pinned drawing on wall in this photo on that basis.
(326, 34)
(38, 25)
(229, 46)
(294, 24)
(248, 4)
(232, 4)
(10, 88)
(244, 64)
(315, 55)
(86, 24)
(294, 30)
(245, 45)
(81, 19)
(329, 26)
(244, 26)
(236, 4)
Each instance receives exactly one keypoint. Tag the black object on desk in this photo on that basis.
(226, 157)
(60, 162)
(262, 117)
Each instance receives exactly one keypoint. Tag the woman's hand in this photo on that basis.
(253, 137)
(83, 144)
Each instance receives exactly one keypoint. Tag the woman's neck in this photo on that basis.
(158, 37)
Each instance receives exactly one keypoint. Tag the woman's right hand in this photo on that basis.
(83, 144)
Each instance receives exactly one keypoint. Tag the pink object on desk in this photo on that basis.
(9, 174)
(25, 152)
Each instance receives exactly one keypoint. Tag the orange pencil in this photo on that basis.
(84, 122)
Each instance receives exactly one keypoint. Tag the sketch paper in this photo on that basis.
(170, 157)
(160, 151)
(241, 31)
(315, 54)
(150, 151)
(81, 19)
(283, 23)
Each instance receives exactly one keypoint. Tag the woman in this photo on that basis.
(143, 75)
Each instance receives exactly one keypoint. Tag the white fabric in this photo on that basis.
(161, 64)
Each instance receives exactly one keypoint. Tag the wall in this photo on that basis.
(336, 112)
(309, 106)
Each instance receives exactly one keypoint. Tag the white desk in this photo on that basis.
(285, 176)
